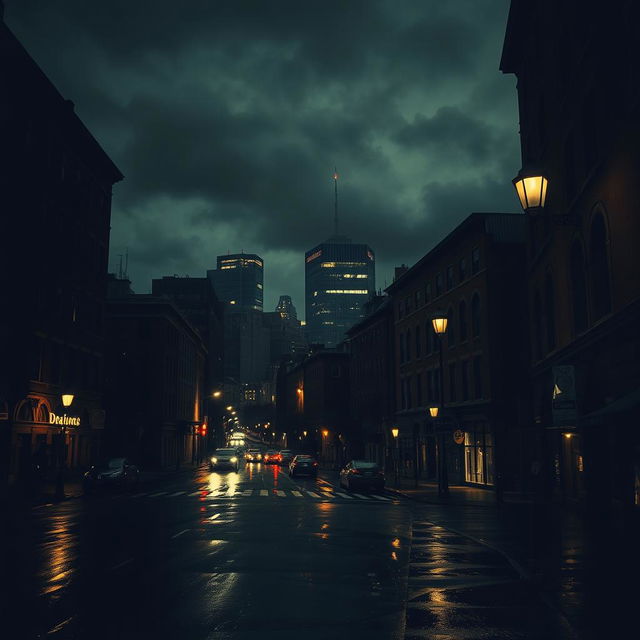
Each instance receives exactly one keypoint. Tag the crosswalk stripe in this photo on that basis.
(373, 495)
(247, 492)
(282, 494)
(155, 495)
(231, 492)
(195, 493)
(297, 494)
(344, 495)
(313, 495)
(264, 492)
(357, 495)
(177, 493)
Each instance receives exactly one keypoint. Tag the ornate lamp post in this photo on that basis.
(395, 432)
(439, 321)
(531, 187)
(67, 400)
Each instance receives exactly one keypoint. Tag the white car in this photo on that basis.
(224, 459)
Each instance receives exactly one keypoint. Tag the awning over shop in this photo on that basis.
(626, 405)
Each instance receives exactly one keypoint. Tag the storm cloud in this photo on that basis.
(227, 119)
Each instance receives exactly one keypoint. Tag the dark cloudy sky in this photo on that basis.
(227, 118)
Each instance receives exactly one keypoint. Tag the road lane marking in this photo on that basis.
(344, 495)
(264, 492)
(180, 533)
(297, 494)
(357, 495)
(313, 495)
(155, 495)
(195, 493)
(282, 494)
(177, 493)
(247, 492)
(121, 564)
(373, 495)
(215, 516)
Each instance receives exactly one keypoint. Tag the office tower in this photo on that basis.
(339, 279)
(238, 280)
(286, 309)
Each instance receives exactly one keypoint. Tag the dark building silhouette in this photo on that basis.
(371, 374)
(474, 276)
(154, 382)
(239, 280)
(55, 210)
(339, 279)
(579, 100)
(286, 309)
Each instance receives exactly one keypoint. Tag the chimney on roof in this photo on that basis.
(399, 271)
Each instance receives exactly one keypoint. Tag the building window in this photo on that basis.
(452, 382)
(408, 344)
(439, 284)
(428, 334)
(478, 455)
(550, 311)
(408, 381)
(599, 269)
(462, 320)
(451, 328)
(475, 315)
(427, 292)
(449, 277)
(462, 270)
(430, 392)
(477, 377)
(465, 380)
(416, 299)
(418, 343)
(419, 390)
(475, 261)
(578, 288)
(401, 337)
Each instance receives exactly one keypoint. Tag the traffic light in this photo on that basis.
(203, 430)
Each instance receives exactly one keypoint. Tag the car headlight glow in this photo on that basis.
(234, 459)
(214, 460)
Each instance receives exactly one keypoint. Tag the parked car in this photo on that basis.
(253, 455)
(271, 457)
(303, 465)
(286, 456)
(224, 459)
(362, 474)
(113, 473)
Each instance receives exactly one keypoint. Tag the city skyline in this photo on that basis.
(228, 129)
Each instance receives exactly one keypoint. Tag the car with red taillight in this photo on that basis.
(271, 457)
(362, 475)
(303, 465)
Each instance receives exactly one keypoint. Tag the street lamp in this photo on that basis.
(67, 399)
(217, 394)
(531, 187)
(229, 408)
(439, 321)
(395, 432)
(433, 412)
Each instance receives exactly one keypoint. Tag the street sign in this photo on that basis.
(458, 436)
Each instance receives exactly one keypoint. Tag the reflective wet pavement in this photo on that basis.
(226, 555)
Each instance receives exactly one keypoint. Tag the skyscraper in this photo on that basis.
(239, 280)
(339, 279)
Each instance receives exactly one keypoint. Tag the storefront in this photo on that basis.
(479, 456)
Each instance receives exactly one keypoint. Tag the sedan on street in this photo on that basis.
(286, 456)
(363, 475)
(114, 473)
(271, 457)
(303, 465)
(224, 459)
(253, 455)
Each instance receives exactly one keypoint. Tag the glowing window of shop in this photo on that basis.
(478, 455)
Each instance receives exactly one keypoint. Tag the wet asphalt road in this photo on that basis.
(225, 555)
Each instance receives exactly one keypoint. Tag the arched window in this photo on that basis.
(451, 328)
(550, 312)
(578, 288)
(462, 320)
(599, 269)
(475, 315)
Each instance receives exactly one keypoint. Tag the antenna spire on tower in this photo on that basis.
(335, 208)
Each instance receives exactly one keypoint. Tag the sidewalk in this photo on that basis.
(581, 566)
(27, 497)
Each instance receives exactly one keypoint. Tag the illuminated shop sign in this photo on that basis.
(65, 420)
(315, 255)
